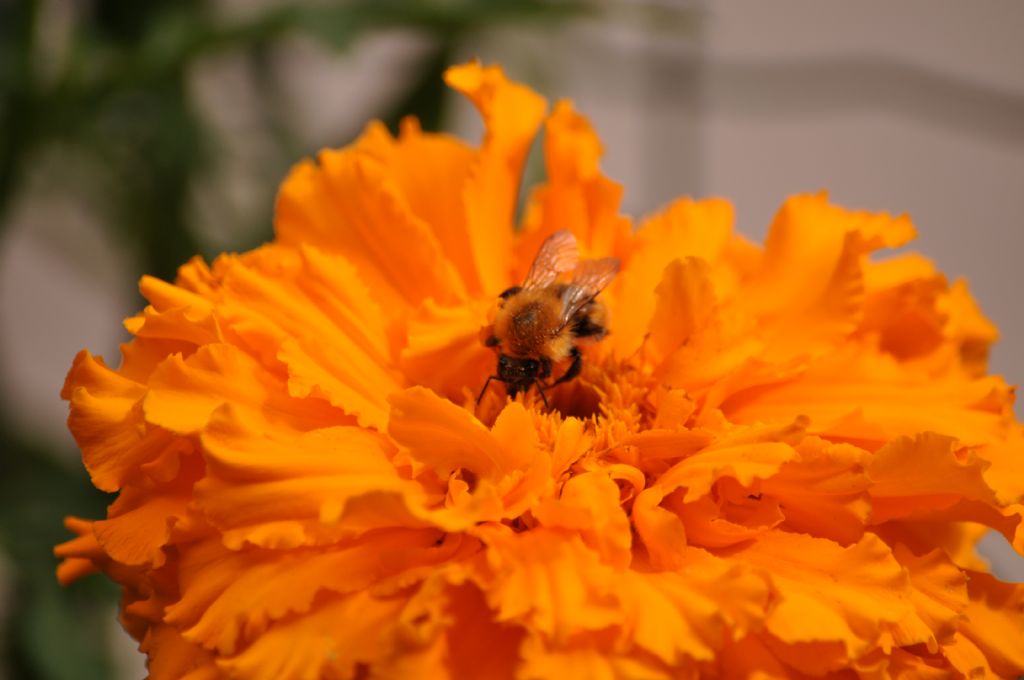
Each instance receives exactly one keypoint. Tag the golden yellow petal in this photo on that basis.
(511, 114)
(929, 471)
(994, 622)
(589, 504)
(107, 421)
(686, 228)
(827, 593)
(548, 581)
(348, 203)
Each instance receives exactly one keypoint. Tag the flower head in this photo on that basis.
(777, 462)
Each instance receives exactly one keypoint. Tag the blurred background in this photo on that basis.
(134, 134)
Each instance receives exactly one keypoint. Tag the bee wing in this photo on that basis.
(589, 279)
(557, 254)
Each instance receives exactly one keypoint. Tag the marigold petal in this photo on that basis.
(443, 349)
(591, 657)
(824, 492)
(340, 379)
(750, 658)
(184, 324)
(994, 622)
(311, 311)
(511, 114)
(928, 471)
(474, 645)
(686, 228)
(666, 444)
(446, 438)
(172, 657)
(939, 595)
(902, 664)
(745, 455)
(164, 296)
(867, 398)
(349, 204)
(1003, 473)
(335, 483)
(806, 246)
(901, 307)
(107, 421)
(692, 611)
(548, 581)
(572, 441)
(184, 393)
(967, 658)
(829, 593)
(971, 331)
(662, 531)
(331, 640)
(717, 525)
(685, 304)
(589, 504)
(139, 523)
(576, 196)
(231, 597)
(431, 171)
(81, 555)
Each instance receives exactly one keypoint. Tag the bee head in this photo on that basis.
(511, 369)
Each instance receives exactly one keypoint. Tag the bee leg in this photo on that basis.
(493, 377)
(574, 368)
(540, 388)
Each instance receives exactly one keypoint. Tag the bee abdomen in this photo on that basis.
(589, 322)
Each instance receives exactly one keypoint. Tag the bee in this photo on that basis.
(540, 323)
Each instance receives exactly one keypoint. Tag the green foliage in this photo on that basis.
(53, 633)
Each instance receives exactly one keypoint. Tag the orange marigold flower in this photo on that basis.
(776, 464)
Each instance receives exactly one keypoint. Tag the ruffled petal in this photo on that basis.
(172, 657)
(548, 581)
(930, 472)
(109, 427)
(589, 504)
(431, 171)
(334, 484)
(444, 350)
(576, 196)
(81, 555)
(511, 114)
(140, 521)
(184, 393)
(347, 203)
(687, 228)
(939, 596)
(232, 597)
(588, 657)
(994, 622)
(744, 455)
(824, 491)
(827, 593)
(866, 398)
(810, 286)
(446, 438)
(333, 640)
(691, 612)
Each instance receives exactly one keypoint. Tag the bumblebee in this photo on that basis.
(540, 323)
